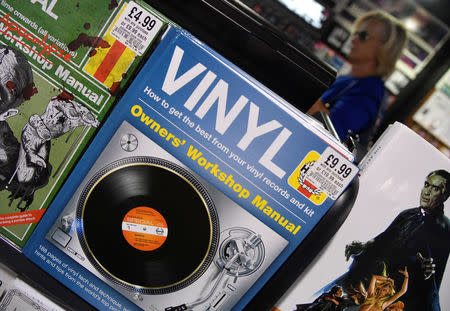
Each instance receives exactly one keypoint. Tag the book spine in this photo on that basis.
(378, 148)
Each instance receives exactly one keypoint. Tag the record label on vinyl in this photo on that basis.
(144, 228)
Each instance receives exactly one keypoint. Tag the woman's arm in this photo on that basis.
(401, 292)
(373, 283)
(332, 300)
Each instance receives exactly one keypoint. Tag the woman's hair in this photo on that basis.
(380, 300)
(394, 40)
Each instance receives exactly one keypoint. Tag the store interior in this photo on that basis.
(418, 88)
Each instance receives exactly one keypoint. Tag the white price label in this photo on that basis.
(136, 28)
(331, 173)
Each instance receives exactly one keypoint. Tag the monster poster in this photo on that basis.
(392, 251)
(62, 65)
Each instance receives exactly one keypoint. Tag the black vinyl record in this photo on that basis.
(127, 193)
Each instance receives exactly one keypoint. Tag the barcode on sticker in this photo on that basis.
(331, 173)
(326, 186)
(121, 31)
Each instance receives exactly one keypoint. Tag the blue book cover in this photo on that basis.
(196, 189)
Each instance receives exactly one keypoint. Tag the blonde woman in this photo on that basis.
(353, 101)
(381, 293)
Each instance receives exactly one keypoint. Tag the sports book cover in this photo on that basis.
(196, 189)
(392, 251)
(62, 64)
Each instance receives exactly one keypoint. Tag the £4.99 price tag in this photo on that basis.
(136, 28)
(332, 173)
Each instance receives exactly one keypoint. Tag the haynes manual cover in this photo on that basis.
(196, 189)
(62, 64)
(392, 251)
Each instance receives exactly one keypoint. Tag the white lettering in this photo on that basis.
(47, 8)
(220, 94)
(253, 130)
(171, 83)
(266, 159)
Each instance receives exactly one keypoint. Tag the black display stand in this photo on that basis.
(254, 45)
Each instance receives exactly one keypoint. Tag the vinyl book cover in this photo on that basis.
(196, 189)
(392, 251)
(62, 64)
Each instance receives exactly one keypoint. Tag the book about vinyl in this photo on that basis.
(196, 189)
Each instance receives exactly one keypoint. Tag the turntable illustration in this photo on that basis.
(159, 234)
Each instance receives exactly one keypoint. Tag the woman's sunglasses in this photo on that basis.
(362, 35)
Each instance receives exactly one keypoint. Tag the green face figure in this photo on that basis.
(433, 192)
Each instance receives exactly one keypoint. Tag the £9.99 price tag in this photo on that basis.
(136, 28)
(331, 173)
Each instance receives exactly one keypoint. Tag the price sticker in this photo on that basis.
(331, 173)
(136, 28)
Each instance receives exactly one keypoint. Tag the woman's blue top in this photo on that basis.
(357, 108)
